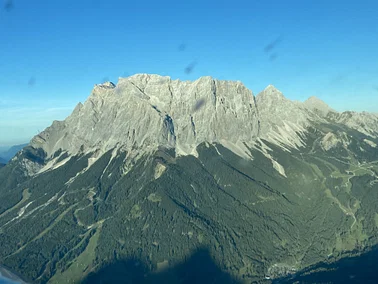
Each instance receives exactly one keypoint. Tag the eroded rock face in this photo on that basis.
(318, 106)
(145, 111)
(332, 140)
(282, 120)
(364, 122)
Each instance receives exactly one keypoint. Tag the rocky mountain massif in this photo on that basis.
(155, 177)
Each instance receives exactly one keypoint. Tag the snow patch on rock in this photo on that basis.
(370, 143)
(263, 148)
(159, 170)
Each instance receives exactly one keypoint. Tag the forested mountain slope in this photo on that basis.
(153, 170)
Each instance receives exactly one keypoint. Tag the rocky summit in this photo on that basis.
(144, 111)
(159, 180)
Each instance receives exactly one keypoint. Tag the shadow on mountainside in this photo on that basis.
(358, 269)
(198, 268)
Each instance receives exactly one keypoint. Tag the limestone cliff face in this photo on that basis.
(282, 120)
(144, 111)
(363, 122)
(318, 106)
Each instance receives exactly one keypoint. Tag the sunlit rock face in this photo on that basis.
(144, 111)
(363, 122)
(318, 106)
(282, 120)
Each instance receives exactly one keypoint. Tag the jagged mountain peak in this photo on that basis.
(282, 120)
(315, 104)
(106, 85)
(314, 99)
(364, 122)
(272, 88)
(145, 111)
(271, 93)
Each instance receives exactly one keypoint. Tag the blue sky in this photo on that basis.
(53, 52)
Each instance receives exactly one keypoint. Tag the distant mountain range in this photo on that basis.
(154, 179)
(8, 154)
